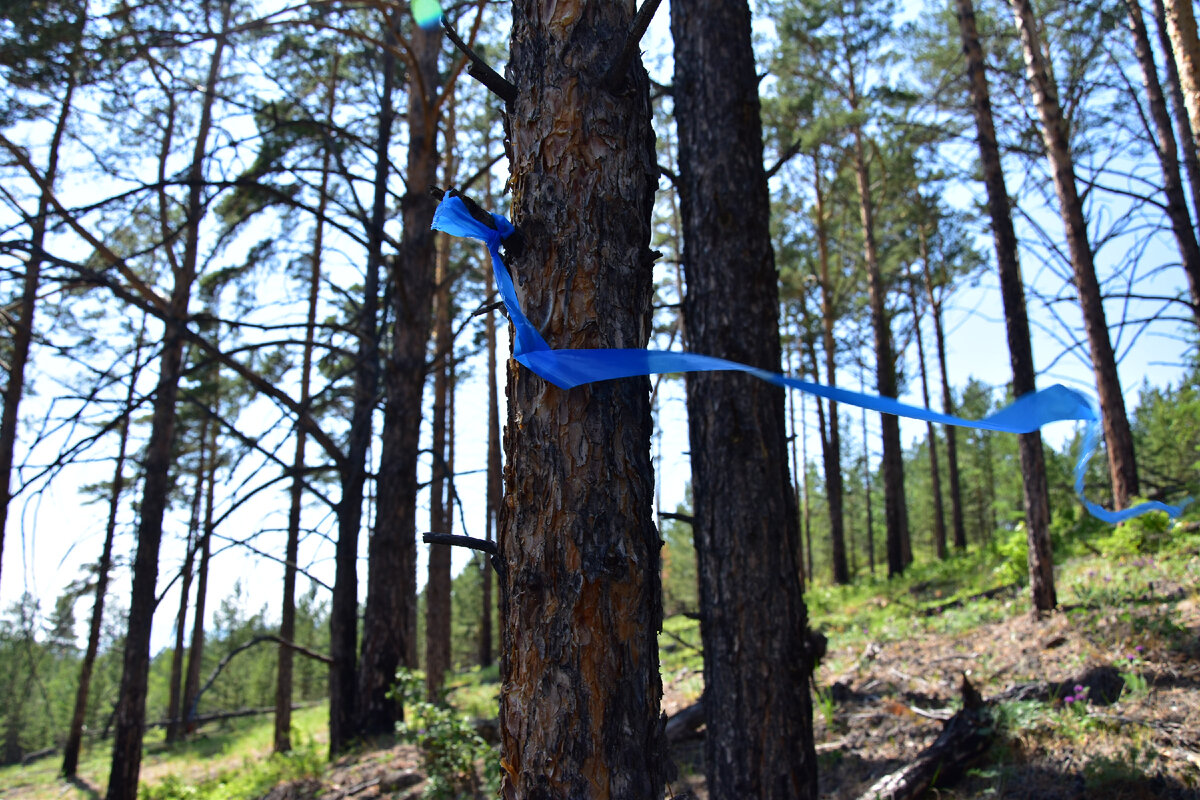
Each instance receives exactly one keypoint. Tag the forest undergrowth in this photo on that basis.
(1100, 697)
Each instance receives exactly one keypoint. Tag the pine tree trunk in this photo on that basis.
(895, 512)
(390, 620)
(1185, 41)
(441, 520)
(130, 713)
(939, 337)
(493, 485)
(22, 326)
(831, 450)
(191, 686)
(74, 740)
(753, 617)
(287, 622)
(175, 681)
(935, 476)
(1187, 134)
(1119, 441)
(1168, 156)
(581, 600)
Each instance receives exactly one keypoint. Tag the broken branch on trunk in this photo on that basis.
(479, 70)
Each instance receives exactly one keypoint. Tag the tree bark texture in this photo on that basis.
(581, 597)
(753, 617)
(1168, 156)
(1119, 441)
(130, 713)
(441, 518)
(1016, 321)
(1187, 134)
(1185, 41)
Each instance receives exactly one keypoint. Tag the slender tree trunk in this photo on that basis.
(22, 336)
(74, 741)
(1181, 27)
(1121, 464)
(441, 518)
(191, 686)
(935, 476)
(939, 337)
(753, 617)
(581, 599)
(287, 621)
(1168, 156)
(866, 461)
(130, 714)
(831, 449)
(493, 483)
(895, 512)
(1187, 134)
(1012, 290)
(175, 682)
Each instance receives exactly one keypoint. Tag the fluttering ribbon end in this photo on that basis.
(570, 368)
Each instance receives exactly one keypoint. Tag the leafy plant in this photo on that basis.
(451, 745)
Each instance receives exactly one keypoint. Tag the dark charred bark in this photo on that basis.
(130, 713)
(580, 597)
(1012, 291)
(1122, 467)
(390, 619)
(752, 614)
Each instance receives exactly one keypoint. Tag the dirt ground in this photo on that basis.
(881, 704)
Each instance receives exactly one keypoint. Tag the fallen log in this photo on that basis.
(683, 723)
(965, 737)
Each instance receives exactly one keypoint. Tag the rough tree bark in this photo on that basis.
(441, 517)
(753, 619)
(1187, 134)
(1185, 44)
(1122, 467)
(581, 598)
(131, 704)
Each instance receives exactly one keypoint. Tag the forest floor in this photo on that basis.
(1125, 642)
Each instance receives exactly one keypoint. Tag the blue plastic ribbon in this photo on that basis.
(570, 368)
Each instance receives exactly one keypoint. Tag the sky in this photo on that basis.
(69, 533)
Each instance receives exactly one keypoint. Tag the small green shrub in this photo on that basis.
(1147, 533)
(1013, 549)
(451, 746)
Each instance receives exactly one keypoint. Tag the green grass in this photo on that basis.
(243, 745)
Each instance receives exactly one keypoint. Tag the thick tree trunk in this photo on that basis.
(390, 620)
(287, 621)
(581, 598)
(1012, 292)
(753, 617)
(130, 714)
(75, 734)
(1185, 42)
(1119, 441)
(1168, 156)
